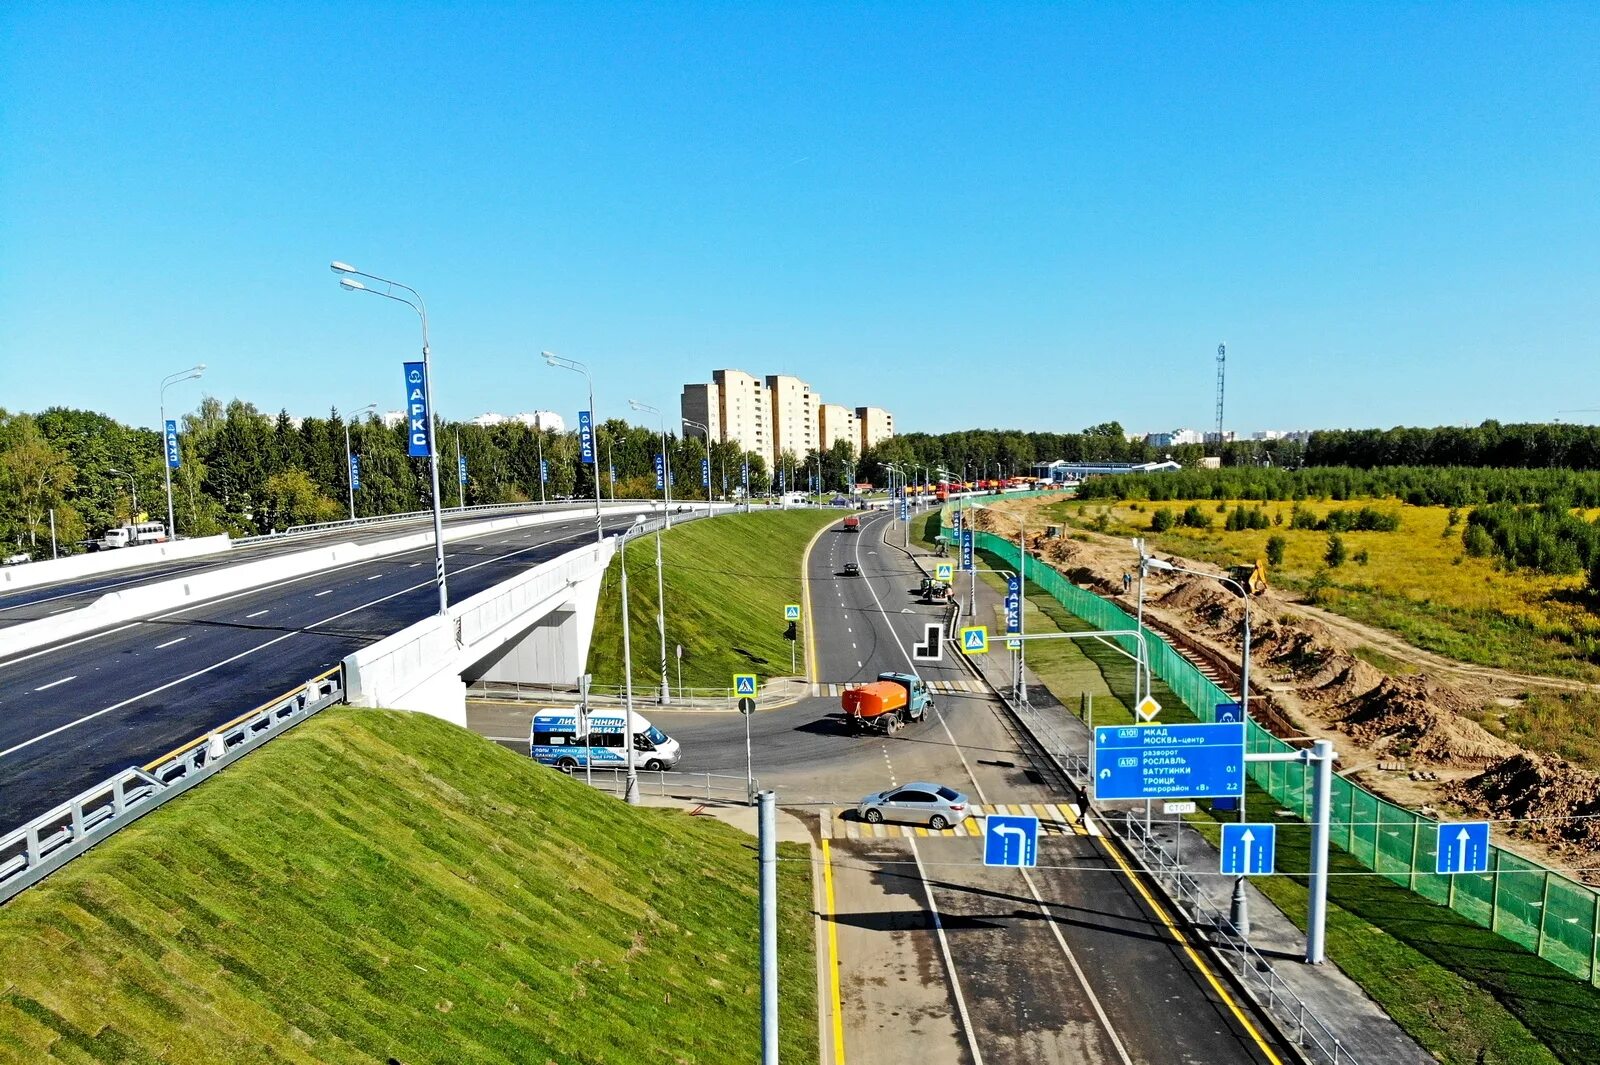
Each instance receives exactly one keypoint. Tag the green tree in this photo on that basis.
(1275, 548)
(292, 498)
(1336, 552)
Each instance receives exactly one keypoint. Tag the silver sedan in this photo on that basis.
(919, 802)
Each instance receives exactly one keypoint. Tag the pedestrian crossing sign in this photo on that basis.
(944, 571)
(1013, 645)
(791, 612)
(975, 640)
(744, 684)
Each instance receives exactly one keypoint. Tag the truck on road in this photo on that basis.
(887, 704)
(132, 535)
(850, 524)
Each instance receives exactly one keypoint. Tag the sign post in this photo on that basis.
(744, 686)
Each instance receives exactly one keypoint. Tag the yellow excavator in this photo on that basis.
(1251, 578)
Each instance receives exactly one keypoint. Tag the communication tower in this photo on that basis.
(1222, 364)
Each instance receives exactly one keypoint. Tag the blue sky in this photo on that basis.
(1038, 215)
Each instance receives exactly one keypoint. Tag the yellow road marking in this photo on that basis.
(805, 590)
(1205, 970)
(833, 956)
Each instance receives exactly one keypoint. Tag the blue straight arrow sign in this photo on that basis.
(1248, 850)
(1462, 847)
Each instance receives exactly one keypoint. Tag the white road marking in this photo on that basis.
(63, 610)
(374, 577)
(169, 643)
(949, 962)
(257, 614)
(52, 684)
(414, 565)
(325, 591)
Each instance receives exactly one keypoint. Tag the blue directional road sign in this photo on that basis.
(1168, 761)
(744, 683)
(1011, 840)
(1249, 850)
(966, 550)
(1463, 848)
(1230, 712)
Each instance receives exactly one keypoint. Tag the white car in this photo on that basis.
(17, 559)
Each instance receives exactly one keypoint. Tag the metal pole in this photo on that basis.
(349, 471)
(749, 764)
(661, 620)
(539, 443)
(1022, 606)
(1244, 691)
(594, 458)
(166, 465)
(433, 472)
(1317, 904)
(611, 468)
(53, 553)
(769, 929)
(630, 790)
(583, 709)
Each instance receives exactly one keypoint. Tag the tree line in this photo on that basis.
(1416, 485)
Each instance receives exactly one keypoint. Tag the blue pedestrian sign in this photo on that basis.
(586, 436)
(975, 640)
(791, 611)
(744, 684)
(1009, 840)
(1463, 847)
(174, 460)
(355, 473)
(1168, 761)
(966, 551)
(1249, 850)
(419, 422)
(1230, 712)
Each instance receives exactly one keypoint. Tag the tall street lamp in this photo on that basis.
(705, 473)
(169, 441)
(661, 588)
(630, 789)
(666, 458)
(347, 280)
(552, 359)
(349, 461)
(133, 487)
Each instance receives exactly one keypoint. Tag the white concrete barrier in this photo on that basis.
(129, 604)
(51, 570)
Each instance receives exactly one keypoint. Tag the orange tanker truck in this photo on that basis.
(888, 703)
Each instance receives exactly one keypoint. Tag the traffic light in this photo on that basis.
(789, 633)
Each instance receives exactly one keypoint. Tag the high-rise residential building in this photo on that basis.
(703, 404)
(839, 423)
(875, 425)
(746, 412)
(796, 425)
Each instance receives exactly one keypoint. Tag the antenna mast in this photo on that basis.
(1222, 363)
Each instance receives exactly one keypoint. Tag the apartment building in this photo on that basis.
(745, 412)
(838, 423)
(875, 425)
(703, 404)
(796, 419)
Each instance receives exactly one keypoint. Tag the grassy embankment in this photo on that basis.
(1419, 583)
(727, 581)
(1457, 988)
(380, 887)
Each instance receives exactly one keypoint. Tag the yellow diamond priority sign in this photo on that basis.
(1147, 709)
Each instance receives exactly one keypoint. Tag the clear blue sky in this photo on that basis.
(1390, 212)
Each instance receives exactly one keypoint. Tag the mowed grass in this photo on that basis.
(1418, 581)
(384, 887)
(727, 581)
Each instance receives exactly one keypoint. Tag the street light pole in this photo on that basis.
(666, 459)
(538, 439)
(630, 787)
(349, 463)
(348, 281)
(171, 379)
(565, 363)
(132, 486)
(705, 470)
(661, 585)
(461, 482)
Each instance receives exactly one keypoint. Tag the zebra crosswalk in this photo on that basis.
(1054, 819)
(939, 687)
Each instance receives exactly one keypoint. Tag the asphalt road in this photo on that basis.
(941, 959)
(41, 601)
(73, 714)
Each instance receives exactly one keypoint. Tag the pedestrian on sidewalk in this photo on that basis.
(1127, 582)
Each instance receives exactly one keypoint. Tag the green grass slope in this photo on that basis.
(383, 887)
(727, 581)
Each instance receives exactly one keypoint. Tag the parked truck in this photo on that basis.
(887, 704)
(851, 524)
(934, 590)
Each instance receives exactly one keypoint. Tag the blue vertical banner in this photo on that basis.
(174, 460)
(419, 420)
(705, 473)
(783, 481)
(355, 473)
(613, 471)
(461, 468)
(661, 478)
(1013, 603)
(544, 470)
(586, 435)
(966, 550)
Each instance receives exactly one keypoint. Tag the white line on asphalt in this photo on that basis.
(949, 962)
(257, 614)
(63, 610)
(414, 565)
(325, 591)
(169, 643)
(64, 646)
(1083, 981)
(53, 683)
(374, 577)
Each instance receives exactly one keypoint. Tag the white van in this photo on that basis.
(562, 737)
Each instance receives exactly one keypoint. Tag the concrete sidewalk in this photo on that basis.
(1366, 1033)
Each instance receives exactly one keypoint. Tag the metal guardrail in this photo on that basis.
(35, 850)
(668, 784)
(385, 519)
(644, 700)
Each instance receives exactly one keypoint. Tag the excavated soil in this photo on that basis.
(1414, 736)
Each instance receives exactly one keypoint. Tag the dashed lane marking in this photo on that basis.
(52, 684)
(169, 643)
(257, 614)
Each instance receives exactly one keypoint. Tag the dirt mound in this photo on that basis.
(1341, 679)
(1553, 800)
(1419, 718)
